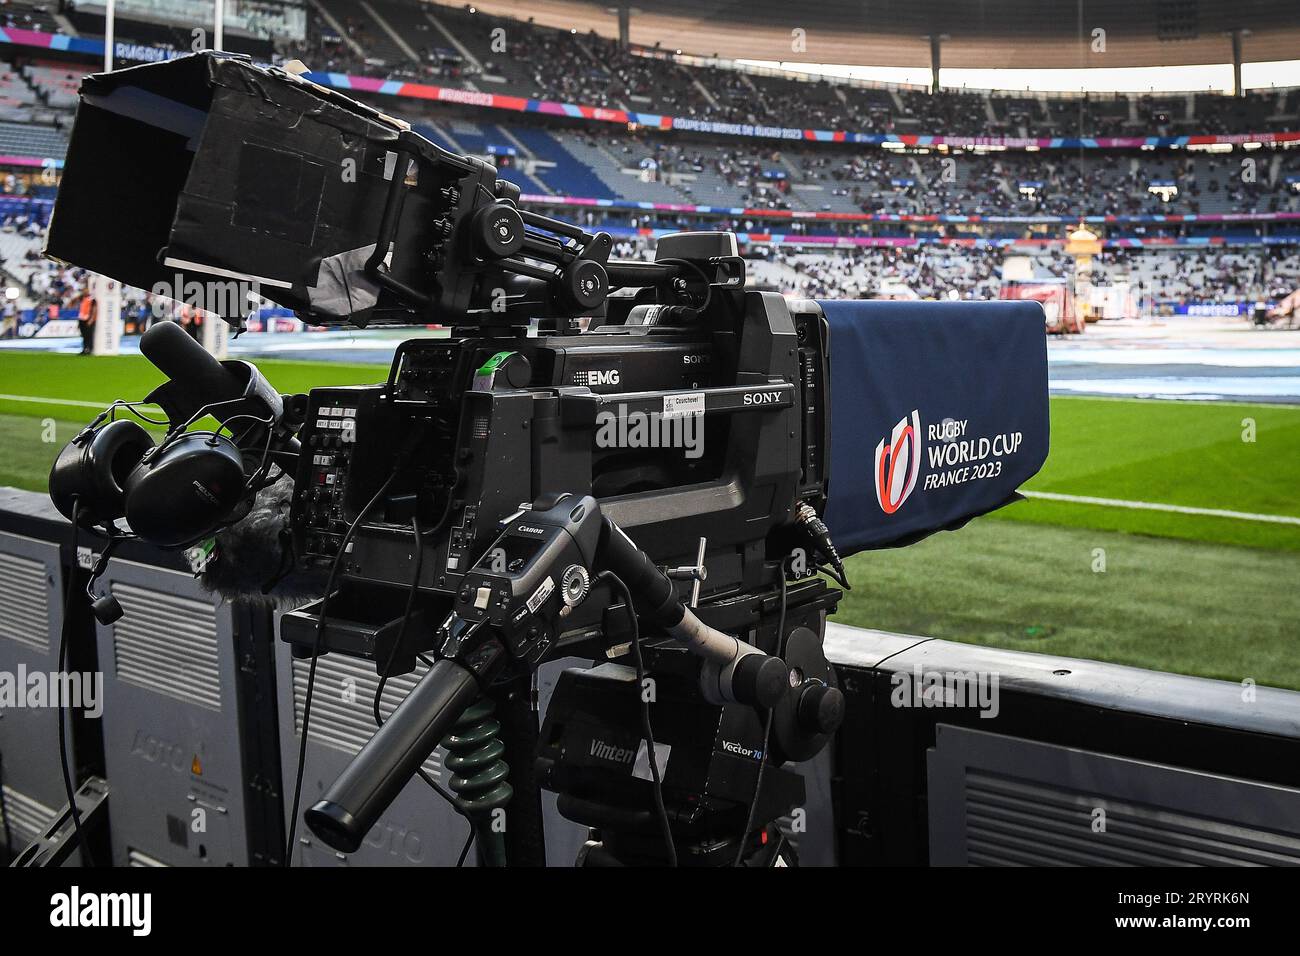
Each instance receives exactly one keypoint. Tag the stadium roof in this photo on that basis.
(1040, 34)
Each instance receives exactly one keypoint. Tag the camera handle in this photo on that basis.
(511, 616)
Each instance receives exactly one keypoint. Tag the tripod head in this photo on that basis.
(499, 266)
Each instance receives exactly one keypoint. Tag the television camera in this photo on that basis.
(620, 461)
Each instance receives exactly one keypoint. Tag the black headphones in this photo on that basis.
(172, 494)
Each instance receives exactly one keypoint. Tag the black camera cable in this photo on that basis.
(315, 656)
(70, 590)
(767, 727)
(464, 850)
(647, 730)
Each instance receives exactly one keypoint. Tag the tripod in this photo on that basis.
(630, 838)
(724, 783)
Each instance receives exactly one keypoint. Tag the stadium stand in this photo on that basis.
(16, 97)
(32, 15)
(786, 195)
(1173, 277)
(20, 252)
(408, 32)
(363, 27)
(567, 175)
(57, 85)
(513, 57)
(24, 139)
(619, 169)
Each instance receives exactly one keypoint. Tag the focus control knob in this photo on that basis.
(759, 680)
(821, 708)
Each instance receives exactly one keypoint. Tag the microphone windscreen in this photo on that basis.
(252, 559)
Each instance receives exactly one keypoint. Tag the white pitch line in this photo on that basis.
(1156, 506)
(38, 400)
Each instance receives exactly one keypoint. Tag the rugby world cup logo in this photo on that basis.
(898, 462)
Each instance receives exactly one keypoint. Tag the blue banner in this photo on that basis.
(938, 414)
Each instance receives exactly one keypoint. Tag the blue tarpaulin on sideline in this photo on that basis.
(938, 413)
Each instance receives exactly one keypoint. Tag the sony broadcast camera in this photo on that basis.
(626, 462)
(644, 493)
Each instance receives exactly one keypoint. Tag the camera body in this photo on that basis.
(475, 428)
(626, 462)
(714, 430)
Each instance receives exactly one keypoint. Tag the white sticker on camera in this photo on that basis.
(676, 406)
(541, 594)
(641, 768)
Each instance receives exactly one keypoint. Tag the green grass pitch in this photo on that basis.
(1201, 595)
